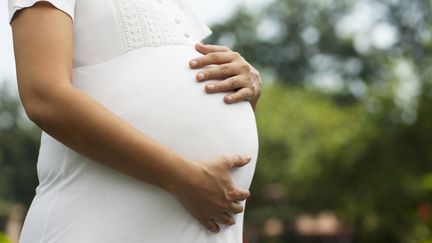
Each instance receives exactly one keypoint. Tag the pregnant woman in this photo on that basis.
(148, 135)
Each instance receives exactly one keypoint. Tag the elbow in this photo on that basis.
(43, 103)
(36, 111)
(38, 106)
(45, 107)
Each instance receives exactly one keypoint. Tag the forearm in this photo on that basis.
(87, 127)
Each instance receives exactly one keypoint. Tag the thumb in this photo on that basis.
(239, 161)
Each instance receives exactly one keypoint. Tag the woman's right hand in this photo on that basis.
(209, 193)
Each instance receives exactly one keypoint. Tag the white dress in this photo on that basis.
(132, 56)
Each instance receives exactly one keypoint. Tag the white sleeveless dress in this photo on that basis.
(132, 56)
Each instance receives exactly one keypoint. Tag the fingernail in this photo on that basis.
(200, 76)
(210, 87)
(230, 98)
(247, 157)
(193, 63)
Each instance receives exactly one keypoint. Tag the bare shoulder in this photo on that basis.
(43, 43)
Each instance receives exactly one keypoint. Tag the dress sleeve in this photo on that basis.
(199, 29)
(67, 6)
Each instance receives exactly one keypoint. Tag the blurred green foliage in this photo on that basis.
(345, 119)
(3, 239)
(317, 156)
(19, 145)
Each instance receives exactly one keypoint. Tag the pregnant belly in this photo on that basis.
(154, 90)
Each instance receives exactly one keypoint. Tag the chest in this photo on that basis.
(104, 29)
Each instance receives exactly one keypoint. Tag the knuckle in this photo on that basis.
(234, 82)
(225, 180)
(249, 93)
(244, 94)
(236, 55)
(225, 48)
(254, 88)
(251, 76)
(227, 196)
(225, 70)
(231, 194)
(246, 67)
(214, 57)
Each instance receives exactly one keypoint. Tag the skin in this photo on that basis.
(235, 73)
(43, 46)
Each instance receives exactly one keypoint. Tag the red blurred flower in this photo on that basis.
(424, 211)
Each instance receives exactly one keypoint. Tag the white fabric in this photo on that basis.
(110, 28)
(66, 6)
(141, 75)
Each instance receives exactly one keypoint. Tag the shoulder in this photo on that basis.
(67, 6)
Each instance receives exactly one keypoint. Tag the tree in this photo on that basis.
(347, 127)
(347, 43)
(19, 145)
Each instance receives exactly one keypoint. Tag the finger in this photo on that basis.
(210, 225)
(236, 208)
(219, 72)
(229, 84)
(237, 161)
(205, 49)
(212, 58)
(225, 218)
(241, 194)
(240, 95)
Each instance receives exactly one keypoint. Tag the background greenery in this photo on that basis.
(345, 121)
(3, 239)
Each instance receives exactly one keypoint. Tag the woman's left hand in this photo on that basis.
(235, 73)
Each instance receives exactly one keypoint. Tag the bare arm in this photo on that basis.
(43, 51)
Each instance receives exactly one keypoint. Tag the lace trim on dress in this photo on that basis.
(146, 25)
